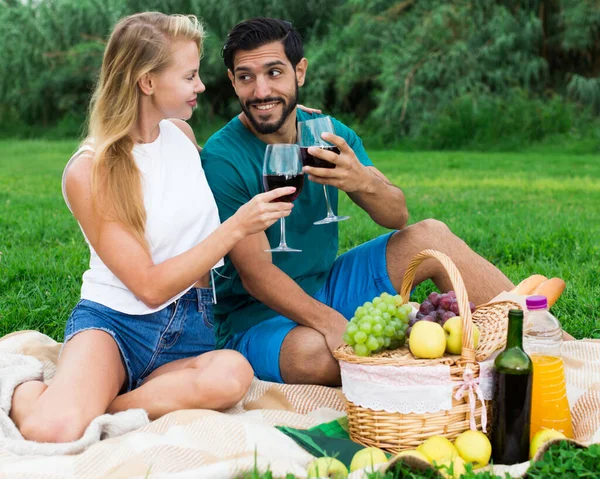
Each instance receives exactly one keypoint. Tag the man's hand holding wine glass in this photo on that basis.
(349, 174)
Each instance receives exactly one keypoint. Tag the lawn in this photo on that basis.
(529, 212)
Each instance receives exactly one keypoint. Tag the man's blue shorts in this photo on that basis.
(356, 276)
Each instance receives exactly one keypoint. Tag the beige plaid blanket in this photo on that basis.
(208, 444)
(185, 444)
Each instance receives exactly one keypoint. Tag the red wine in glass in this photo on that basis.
(310, 134)
(282, 166)
(271, 182)
(310, 160)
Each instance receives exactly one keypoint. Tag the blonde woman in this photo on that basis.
(142, 335)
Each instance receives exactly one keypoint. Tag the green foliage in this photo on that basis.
(567, 461)
(52, 50)
(563, 460)
(401, 69)
(515, 120)
(51, 54)
(412, 64)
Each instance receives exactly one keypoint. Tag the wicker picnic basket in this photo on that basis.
(393, 431)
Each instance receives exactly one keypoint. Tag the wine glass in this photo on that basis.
(283, 167)
(309, 134)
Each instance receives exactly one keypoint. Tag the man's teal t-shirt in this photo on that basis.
(233, 162)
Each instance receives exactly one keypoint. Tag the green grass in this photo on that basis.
(529, 212)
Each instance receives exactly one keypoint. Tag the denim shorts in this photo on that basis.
(356, 276)
(183, 329)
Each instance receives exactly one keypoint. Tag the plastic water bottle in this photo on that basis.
(542, 340)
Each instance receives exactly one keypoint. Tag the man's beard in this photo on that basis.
(271, 127)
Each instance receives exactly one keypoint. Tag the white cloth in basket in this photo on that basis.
(407, 389)
(398, 389)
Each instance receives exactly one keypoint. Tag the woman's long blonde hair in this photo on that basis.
(139, 44)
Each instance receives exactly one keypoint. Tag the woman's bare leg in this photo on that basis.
(23, 400)
(89, 376)
(213, 380)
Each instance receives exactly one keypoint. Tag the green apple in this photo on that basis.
(541, 437)
(453, 328)
(474, 447)
(369, 456)
(327, 467)
(427, 340)
(438, 448)
(412, 453)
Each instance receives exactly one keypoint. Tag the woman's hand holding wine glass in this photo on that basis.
(264, 210)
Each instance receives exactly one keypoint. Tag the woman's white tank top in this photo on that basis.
(180, 213)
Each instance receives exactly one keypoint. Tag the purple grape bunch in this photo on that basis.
(438, 308)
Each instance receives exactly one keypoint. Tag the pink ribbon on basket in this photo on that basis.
(471, 384)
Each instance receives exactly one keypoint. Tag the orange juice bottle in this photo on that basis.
(542, 340)
(549, 404)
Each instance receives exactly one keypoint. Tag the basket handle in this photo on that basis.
(468, 352)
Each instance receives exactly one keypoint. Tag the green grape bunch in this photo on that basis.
(378, 325)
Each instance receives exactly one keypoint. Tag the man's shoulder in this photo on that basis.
(222, 138)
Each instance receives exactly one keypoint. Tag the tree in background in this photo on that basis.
(407, 65)
(52, 49)
(444, 72)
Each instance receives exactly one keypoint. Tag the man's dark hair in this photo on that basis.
(255, 33)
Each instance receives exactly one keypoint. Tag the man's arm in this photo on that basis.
(260, 277)
(273, 287)
(366, 185)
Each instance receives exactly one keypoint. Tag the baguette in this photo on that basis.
(552, 289)
(528, 285)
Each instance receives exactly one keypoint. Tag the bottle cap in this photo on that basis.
(536, 302)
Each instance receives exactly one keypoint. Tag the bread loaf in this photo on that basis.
(528, 285)
(552, 289)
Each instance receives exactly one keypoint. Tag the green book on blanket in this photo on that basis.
(327, 439)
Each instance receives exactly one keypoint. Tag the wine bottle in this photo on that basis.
(512, 397)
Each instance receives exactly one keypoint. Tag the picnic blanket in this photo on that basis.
(187, 443)
(209, 444)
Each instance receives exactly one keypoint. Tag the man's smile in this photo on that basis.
(266, 106)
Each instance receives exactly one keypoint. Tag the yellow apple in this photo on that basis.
(438, 448)
(427, 340)
(369, 456)
(456, 465)
(541, 437)
(453, 328)
(474, 447)
(412, 453)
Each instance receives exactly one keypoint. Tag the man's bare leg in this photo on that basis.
(482, 279)
(306, 359)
